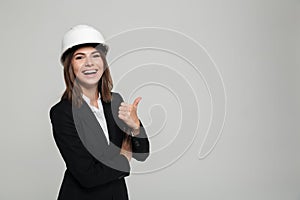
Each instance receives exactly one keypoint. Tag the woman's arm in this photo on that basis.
(140, 145)
(140, 142)
(83, 166)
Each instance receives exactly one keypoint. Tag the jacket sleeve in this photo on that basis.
(83, 166)
(140, 143)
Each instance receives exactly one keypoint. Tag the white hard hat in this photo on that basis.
(82, 34)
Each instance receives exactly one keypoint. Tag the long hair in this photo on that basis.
(73, 90)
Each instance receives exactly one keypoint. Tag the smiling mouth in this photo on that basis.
(89, 72)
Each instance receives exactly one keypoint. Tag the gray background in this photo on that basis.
(255, 44)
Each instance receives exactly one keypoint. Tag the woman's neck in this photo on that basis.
(92, 94)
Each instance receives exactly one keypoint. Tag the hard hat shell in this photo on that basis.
(79, 35)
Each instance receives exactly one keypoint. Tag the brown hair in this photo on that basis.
(73, 91)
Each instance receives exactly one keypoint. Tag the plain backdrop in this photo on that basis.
(255, 48)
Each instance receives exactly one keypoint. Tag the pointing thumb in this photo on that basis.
(137, 101)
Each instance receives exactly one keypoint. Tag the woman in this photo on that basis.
(96, 132)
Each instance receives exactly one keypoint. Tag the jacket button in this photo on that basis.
(136, 143)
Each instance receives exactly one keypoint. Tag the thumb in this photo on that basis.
(137, 101)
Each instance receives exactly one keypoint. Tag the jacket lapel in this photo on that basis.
(89, 130)
(110, 112)
(91, 133)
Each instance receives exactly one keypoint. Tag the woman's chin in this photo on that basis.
(89, 83)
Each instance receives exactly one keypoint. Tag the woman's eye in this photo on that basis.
(78, 57)
(96, 55)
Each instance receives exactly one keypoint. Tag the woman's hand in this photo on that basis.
(126, 148)
(128, 113)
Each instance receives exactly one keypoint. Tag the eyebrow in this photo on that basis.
(80, 53)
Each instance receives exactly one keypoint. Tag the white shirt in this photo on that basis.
(99, 114)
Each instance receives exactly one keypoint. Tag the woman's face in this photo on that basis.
(88, 66)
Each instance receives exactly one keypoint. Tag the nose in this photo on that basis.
(88, 62)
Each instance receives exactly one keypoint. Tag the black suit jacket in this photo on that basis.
(95, 170)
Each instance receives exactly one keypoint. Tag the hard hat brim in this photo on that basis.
(99, 46)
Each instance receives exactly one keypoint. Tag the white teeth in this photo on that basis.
(92, 71)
